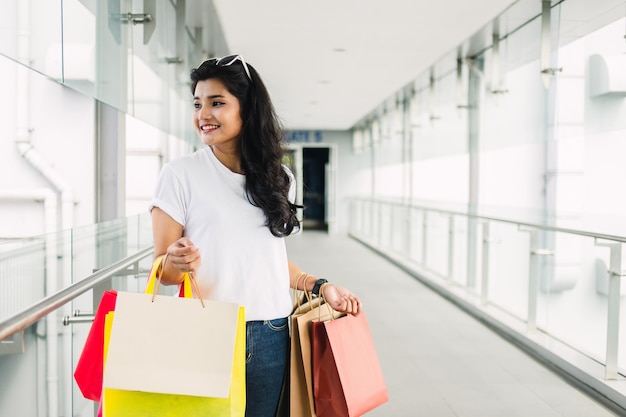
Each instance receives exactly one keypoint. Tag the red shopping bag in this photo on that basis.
(347, 378)
(89, 369)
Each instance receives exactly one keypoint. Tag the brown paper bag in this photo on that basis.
(301, 372)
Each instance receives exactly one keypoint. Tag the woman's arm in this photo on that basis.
(339, 298)
(182, 254)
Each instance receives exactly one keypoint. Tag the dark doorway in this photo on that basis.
(314, 161)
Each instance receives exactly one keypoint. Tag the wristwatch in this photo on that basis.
(318, 284)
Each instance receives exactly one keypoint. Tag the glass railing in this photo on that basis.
(547, 285)
(49, 286)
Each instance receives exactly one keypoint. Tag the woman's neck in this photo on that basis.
(229, 157)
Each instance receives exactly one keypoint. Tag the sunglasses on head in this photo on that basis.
(229, 60)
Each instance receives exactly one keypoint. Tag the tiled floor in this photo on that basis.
(437, 360)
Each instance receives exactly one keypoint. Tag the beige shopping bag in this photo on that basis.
(171, 345)
(301, 376)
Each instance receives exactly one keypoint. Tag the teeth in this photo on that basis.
(208, 127)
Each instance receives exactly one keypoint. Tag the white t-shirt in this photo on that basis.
(242, 261)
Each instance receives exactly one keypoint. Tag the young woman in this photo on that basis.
(222, 213)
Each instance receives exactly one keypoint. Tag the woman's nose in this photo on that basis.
(205, 112)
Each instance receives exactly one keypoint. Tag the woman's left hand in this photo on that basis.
(341, 299)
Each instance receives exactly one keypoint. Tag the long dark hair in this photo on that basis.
(261, 138)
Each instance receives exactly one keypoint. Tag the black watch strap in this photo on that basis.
(318, 284)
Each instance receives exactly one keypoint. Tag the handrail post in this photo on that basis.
(486, 260)
(379, 235)
(392, 225)
(451, 247)
(484, 293)
(533, 281)
(424, 235)
(407, 231)
(613, 308)
(533, 276)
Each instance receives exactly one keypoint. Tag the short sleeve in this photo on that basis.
(169, 195)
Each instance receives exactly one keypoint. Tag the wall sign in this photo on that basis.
(304, 136)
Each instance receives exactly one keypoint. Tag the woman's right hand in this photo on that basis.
(183, 255)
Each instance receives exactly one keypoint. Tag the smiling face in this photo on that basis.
(216, 115)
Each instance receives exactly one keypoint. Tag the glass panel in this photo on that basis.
(590, 126)
(26, 259)
(158, 75)
(513, 130)
(30, 33)
(416, 225)
(80, 46)
(622, 330)
(573, 294)
(591, 122)
(32, 381)
(439, 142)
(399, 230)
(460, 248)
(436, 243)
(96, 49)
(508, 269)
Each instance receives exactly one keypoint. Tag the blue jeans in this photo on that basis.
(267, 344)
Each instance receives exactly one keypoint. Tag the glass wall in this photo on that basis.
(130, 63)
(586, 154)
(515, 145)
(58, 61)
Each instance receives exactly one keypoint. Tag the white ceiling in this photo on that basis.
(328, 63)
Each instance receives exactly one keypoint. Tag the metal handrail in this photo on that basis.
(615, 272)
(22, 320)
(601, 236)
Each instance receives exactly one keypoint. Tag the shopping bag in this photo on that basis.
(347, 378)
(301, 373)
(170, 356)
(88, 372)
(120, 403)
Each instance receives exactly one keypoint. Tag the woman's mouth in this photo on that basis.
(208, 128)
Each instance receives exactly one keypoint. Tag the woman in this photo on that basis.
(222, 213)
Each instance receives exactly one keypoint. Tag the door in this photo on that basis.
(314, 175)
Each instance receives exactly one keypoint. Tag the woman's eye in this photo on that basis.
(217, 103)
(196, 105)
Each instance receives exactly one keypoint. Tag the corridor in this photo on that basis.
(437, 360)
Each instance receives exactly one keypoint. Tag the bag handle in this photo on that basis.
(306, 299)
(156, 273)
(298, 301)
(330, 310)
